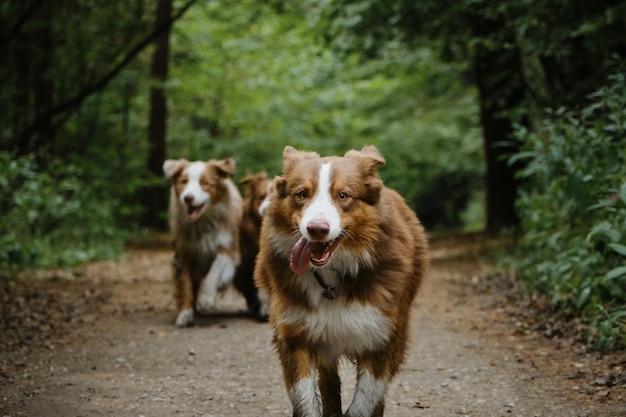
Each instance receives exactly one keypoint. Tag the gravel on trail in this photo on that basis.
(99, 340)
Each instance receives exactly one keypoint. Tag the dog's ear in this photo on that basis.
(173, 167)
(225, 167)
(291, 156)
(280, 185)
(369, 153)
(247, 179)
(252, 181)
(250, 178)
(368, 159)
(374, 154)
(373, 187)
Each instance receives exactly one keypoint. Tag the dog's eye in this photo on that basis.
(302, 194)
(343, 195)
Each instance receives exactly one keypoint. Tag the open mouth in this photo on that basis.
(193, 212)
(315, 253)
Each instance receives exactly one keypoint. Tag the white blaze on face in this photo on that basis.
(193, 188)
(322, 208)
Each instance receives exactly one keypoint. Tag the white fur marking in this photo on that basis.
(322, 207)
(209, 241)
(266, 201)
(169, 168)
(193, 188)
(304, 399)
(224, 238)
(264, 309)
(185, 318)
(281, 243)
(221, 274)
(343, 328)
(368, 393)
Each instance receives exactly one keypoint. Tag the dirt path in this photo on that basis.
(100, 341)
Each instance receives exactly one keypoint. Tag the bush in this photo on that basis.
(573, 211)
(53, 217)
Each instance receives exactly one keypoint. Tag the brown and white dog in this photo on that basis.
(205, 213)
(255, 200)
(341, 257)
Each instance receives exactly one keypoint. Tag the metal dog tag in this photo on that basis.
(329, 293)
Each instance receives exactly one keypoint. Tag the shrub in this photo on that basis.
(573, 211)
(53, 217)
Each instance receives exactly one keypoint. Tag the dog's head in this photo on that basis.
(269, 188)
(198, 184)
(256, 196)
(329, 202)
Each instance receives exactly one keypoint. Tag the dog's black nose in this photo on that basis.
(188, 198)
(318, 230)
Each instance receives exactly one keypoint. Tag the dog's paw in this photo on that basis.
(185, 318)
(205, 301)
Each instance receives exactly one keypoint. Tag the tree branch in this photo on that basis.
(82, 95)
(20, 22)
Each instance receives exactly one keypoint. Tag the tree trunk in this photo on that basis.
(44, 87)
(155, 197)
(34, 90)
(499, 82)
(20, 103)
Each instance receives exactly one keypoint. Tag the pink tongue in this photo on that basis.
(305, 252)
(193, 212)
(300, 256)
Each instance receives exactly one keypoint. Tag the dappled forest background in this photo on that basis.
(503, 116)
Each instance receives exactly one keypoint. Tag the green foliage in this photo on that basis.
(573, 210)
(562, 44)
(245, 80)
(255, 80)
(53, 55)
(60, 216)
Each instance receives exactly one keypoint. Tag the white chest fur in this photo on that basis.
(210, 241)
(337, 326)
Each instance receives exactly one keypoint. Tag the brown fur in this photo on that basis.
(377, 270)
(256, 186)
(197, 244)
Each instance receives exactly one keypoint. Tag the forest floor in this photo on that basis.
(99, 340)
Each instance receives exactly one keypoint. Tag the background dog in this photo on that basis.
(341, 257)
(257, 187)
(205, 213)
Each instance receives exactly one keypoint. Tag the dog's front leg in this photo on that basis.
(369, 394)
(299, 375)
(221, 274)
(183, 293)
(330, 389)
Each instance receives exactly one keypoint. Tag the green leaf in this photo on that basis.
(615, 273)
(619, 248)
(583, 296)
(618, 315)
(605, 229)
(622, 193)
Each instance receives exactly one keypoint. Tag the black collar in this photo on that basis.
(329, 292)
